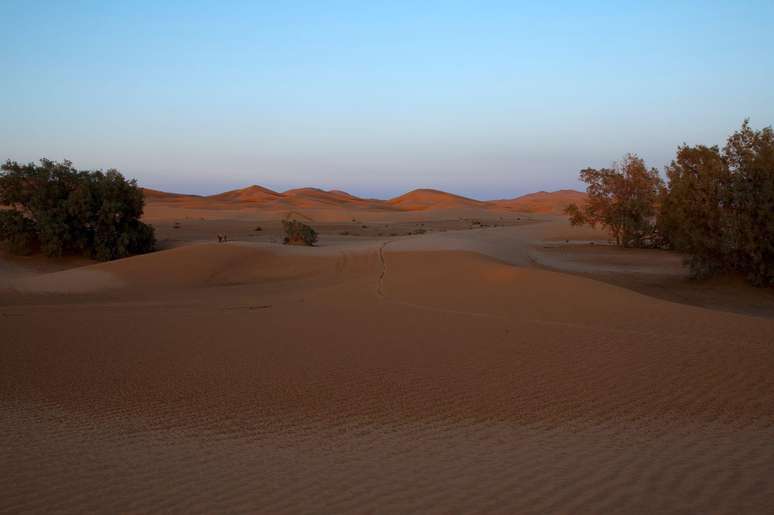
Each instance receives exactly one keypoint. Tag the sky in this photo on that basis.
(484, 99)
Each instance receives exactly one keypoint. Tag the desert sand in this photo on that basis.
(432, 353)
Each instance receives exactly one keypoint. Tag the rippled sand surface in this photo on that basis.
(230, 378)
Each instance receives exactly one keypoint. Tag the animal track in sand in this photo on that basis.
(380, 286)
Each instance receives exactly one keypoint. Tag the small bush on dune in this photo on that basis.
(70, 211)
(297, 233)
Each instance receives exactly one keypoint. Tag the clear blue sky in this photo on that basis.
(486, 99)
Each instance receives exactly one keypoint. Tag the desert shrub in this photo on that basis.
(750, 157)
(71, 211)
(695, 214)
(718, 207)
(297, 233)
(622, 200)
(18, 231)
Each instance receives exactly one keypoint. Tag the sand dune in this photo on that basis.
(317, 204)
(421, 199)
(542, 201)
(431, 373)
(249, 194)
(442, 371)
(184, 267)
(152, 195)
(298, 197)
(322, 195)
(302, 203)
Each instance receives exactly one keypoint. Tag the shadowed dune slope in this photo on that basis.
(152, 195)
(191, 266)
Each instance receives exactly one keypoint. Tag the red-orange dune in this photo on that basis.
(422, 199)
(249, 194)
(258, 197)
(543, 201)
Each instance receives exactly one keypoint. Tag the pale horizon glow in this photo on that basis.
(487, 100)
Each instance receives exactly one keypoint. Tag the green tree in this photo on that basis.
(71, 211)
(696, 211)
(623, 200)
(19, 232)
(750, 158)
(718, 207)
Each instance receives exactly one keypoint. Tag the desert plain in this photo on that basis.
(432, 353)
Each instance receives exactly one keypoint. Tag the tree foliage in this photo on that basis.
(622, 200)
(750, 158)
(18, 231)
(297, 233)
(695, 214)
(70, 211)
(717, 206)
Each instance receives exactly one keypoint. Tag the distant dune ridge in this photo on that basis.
(543, 201)
(151, 194)
(421, 199)
(250, 194)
